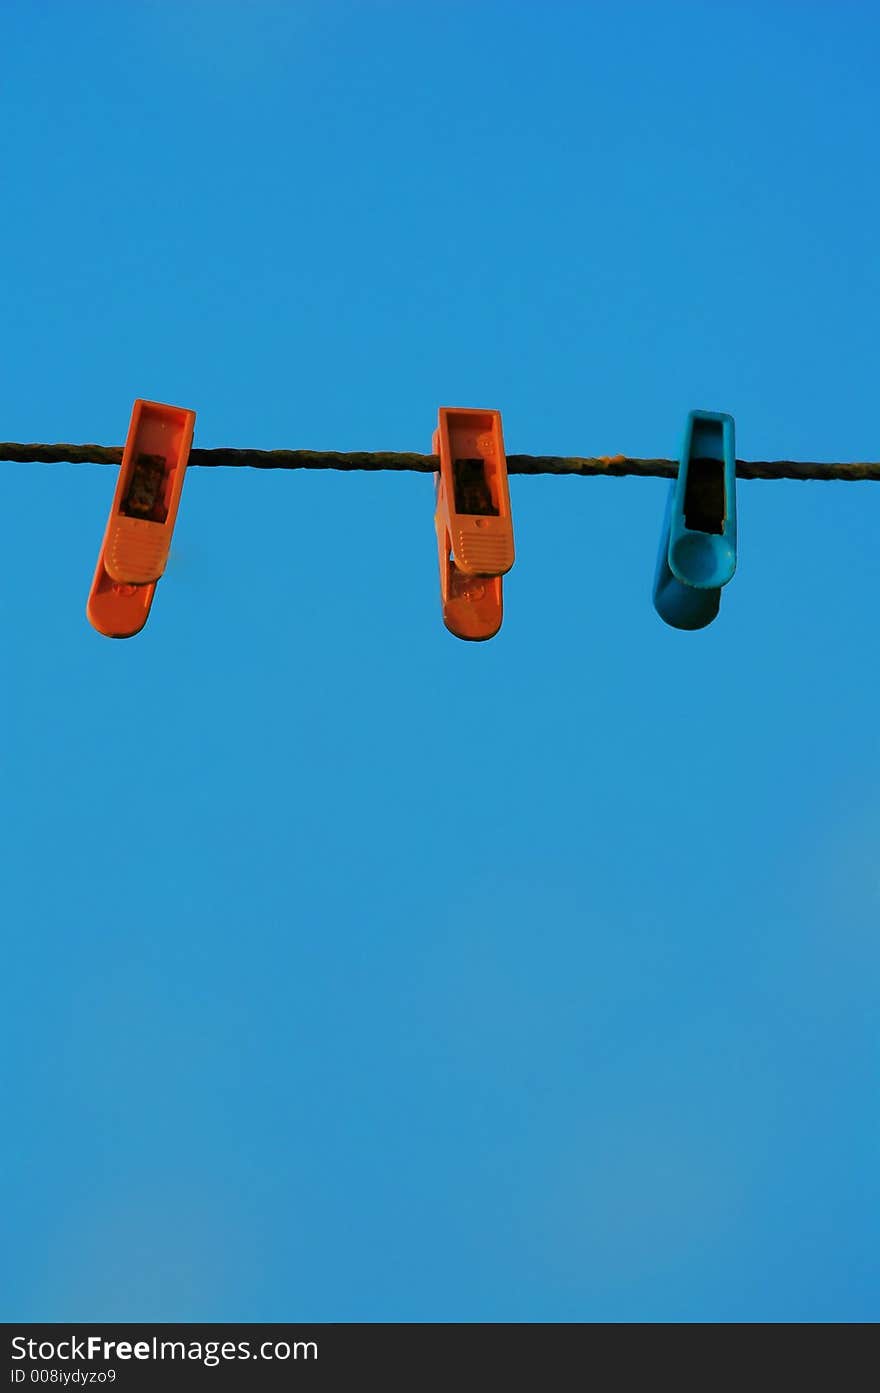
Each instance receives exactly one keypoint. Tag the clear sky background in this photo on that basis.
(351, 971)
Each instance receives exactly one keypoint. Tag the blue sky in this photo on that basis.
(353, 972)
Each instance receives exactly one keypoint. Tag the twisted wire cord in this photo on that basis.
(612, 465)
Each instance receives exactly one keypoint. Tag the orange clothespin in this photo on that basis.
(138, 536)
(473, 520)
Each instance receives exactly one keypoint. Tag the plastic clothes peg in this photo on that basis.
(698, 543)
(136, 543)
(473, 520)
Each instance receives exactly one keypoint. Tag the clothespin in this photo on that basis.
(136, 543)
(472, 519)
(698, 542)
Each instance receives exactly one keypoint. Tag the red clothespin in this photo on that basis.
(473, 520)
(138, 537)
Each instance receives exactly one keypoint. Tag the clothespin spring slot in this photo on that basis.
(474, 494)
(705, 501)
(147, 496)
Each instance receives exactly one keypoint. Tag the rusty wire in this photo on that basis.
(611, 465)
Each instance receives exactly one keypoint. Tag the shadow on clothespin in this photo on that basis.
(473, 520)
(698, 542)
(136, 543)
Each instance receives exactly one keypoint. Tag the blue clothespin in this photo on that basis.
(698, 543)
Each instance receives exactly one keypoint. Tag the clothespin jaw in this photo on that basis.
(473, 520)
(137, 541)
(698, 542)
(117, 611)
